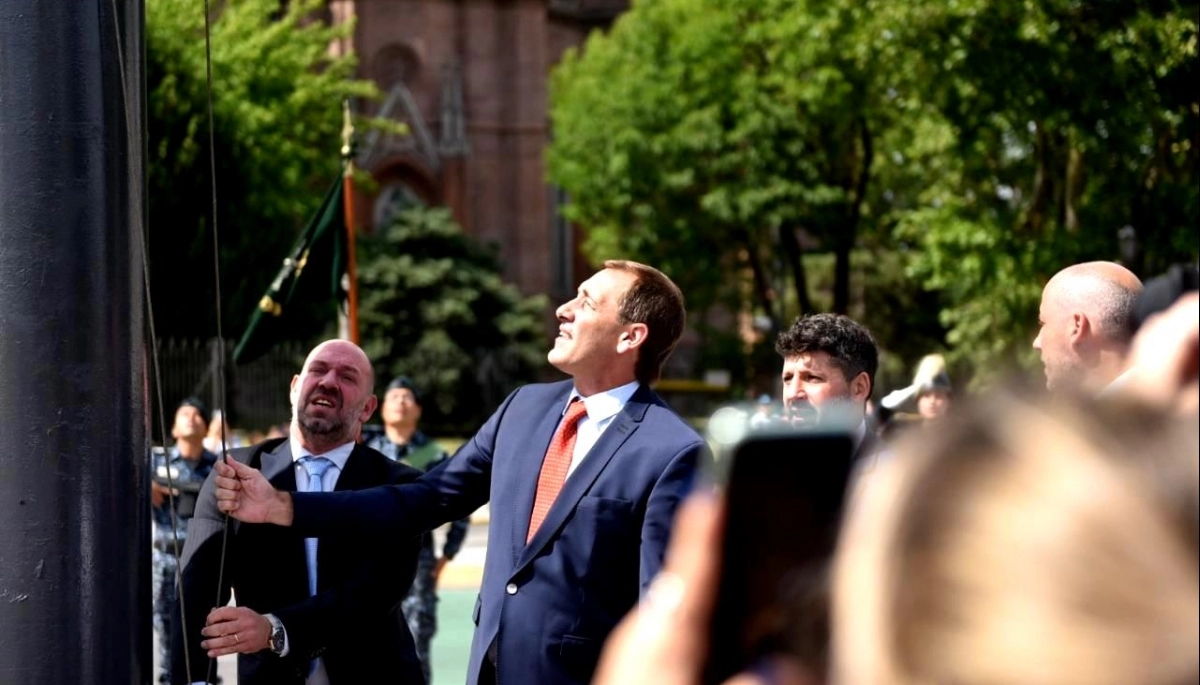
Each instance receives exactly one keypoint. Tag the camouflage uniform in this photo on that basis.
(420, 605)
(186, 477)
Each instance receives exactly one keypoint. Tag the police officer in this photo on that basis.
(176, 475)
(402, 441)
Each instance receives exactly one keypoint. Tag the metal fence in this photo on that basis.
(256, 393)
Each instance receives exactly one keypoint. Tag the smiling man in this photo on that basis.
(829, 363)
(308, 612)
(583, 476)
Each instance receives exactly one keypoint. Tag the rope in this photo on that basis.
(220, 385)
(143, 245)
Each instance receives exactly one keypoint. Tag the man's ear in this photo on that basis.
(633, 337)
(294, 389)
(1079, 326)
(369, 408)
(860, 387)
(1081, 330)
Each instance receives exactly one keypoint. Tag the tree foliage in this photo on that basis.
(434, 307)
(980, 144)
(277, 107)
(732, 129)
(1069, 121)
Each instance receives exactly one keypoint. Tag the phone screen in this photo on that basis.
(784, 499)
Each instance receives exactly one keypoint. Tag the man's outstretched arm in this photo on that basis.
(451, 491)
(392, 510)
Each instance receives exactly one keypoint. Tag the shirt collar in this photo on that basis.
(860, 434)
(1116, 385)
(607, 404)
(338, 455)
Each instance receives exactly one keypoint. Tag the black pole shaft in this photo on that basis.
(74, 510)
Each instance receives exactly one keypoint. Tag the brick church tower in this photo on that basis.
(470, 79)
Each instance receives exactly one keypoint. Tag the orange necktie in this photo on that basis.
(555, 465)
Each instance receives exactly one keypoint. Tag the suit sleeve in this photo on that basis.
(670, 489)
(450, 491)
(458, 529)
(198, 592)
(381, 581)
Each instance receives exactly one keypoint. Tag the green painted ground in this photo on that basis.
(452, 644)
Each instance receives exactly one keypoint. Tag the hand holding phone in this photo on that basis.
(784, 493)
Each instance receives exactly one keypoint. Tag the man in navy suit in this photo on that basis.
(568, 555)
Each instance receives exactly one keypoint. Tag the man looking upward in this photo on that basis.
(583, 476)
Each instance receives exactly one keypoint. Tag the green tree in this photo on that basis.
(277, 99)
(716, 136)
(1068, 121)
(434, 307)
(976, 145)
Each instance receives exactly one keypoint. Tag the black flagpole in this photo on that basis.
(74, 510)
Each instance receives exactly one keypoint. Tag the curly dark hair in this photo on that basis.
(848, 343)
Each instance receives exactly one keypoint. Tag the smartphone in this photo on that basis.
(784, 492)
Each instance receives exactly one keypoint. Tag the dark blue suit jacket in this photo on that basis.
(548, 605)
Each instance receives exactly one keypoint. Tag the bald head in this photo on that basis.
(346, 350)
(1085, 318)
(332, 396)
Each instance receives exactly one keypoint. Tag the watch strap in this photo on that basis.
(278, 639)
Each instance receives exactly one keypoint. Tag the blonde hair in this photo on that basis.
(1025, 545)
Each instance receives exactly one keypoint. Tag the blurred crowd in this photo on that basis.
(1035, 537)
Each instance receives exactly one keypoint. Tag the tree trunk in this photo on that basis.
(762, 284)
(1043, 184)
(1073, 188)
(795, 256)
(849, 235)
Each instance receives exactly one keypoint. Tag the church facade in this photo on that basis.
(470, 78)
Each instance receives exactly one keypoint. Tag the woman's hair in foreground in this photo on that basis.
(1026, 544)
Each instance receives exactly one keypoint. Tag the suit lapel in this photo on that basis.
(278, 468)
(331, 551)
(355, 472)
(589, 469)
(867, 448)
(529, 467)
(280, 545)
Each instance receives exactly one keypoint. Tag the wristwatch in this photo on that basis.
(278, 638)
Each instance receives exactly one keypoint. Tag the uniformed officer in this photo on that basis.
(176, 475)
(402, 441)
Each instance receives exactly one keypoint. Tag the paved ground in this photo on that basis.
(459, 587)
(452, 644)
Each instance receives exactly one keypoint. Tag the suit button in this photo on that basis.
(511, 588)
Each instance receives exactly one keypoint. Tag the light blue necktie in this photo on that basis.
(316, 468)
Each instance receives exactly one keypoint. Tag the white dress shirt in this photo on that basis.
(339, 456)
(602, 408)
